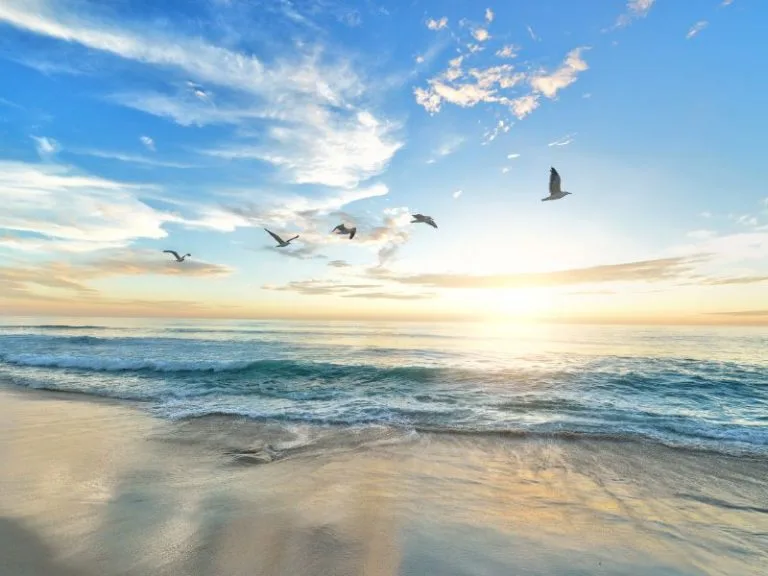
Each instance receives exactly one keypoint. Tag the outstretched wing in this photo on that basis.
(172, 252)
(418, 216)
(431, 222)
(275, 236)
(554, 182)
(352, 233)
(339, 227)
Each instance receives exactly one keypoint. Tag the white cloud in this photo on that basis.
(696, 28)
(524, 105)
(419, 59)
(148, 143)
(433, 24)
(457, 193)
(565, 75)
(564, 141)
(706, 214)
(489, 15)
(634, 9)
(46, 146)
(726, 3)
(513, 156)
(532, 34)
(328, 150)
(68, 210)
(504, 170)
(61, 204)
(480, 34)
(316, 131)
(465, 88)
(508, 51)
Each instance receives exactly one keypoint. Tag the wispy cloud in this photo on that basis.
(734, 281)
(513, 156)
(132, 158)
(726, 3)
(508, 51)
(532, 34)
(635, 9)
(742, 313)
(450, 145)
(328, 150)
(24, 281)
(433, 24)
(9, 104)
(339, 264)
(501, 127)
(365, 290)
(317, 132)
(457, 193)
(61, 208)
(489, 15)
(148, 143)
(45, 146)
(696, 28)
(564, 141)
(641, 271)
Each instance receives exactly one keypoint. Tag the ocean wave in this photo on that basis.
(736, 443)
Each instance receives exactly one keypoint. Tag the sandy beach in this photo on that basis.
(98, 487)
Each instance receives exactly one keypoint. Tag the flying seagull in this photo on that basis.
(176, 255)
(342, 229)
(421, 218)
(280, 242)
(555, 192)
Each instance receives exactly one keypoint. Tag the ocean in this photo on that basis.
(694, 388)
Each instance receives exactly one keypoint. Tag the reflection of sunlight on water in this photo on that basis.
(109, 487)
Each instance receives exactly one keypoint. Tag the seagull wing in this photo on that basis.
(172, 252)
(340, 227)
(431, 222)
(275, 236)
(554, 182)
(352, 233)
(419, 217)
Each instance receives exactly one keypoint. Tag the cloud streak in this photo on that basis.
(642, 271)
(696, 28)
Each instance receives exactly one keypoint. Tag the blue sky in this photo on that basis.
(130, 127)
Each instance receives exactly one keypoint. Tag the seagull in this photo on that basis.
(555, 192)
(342, 229)
(422, 218)
(176, 255)
(280, 242)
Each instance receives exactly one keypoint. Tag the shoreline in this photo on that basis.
(99, 487)
(565, 436)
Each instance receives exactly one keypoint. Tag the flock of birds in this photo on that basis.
(555, 193)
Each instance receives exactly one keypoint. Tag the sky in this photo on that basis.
(131, 127)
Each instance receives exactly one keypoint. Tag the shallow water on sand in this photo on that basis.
(96, 487)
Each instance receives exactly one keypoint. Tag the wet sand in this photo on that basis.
(100, 488)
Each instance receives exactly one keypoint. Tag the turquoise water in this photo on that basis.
(698, 388)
